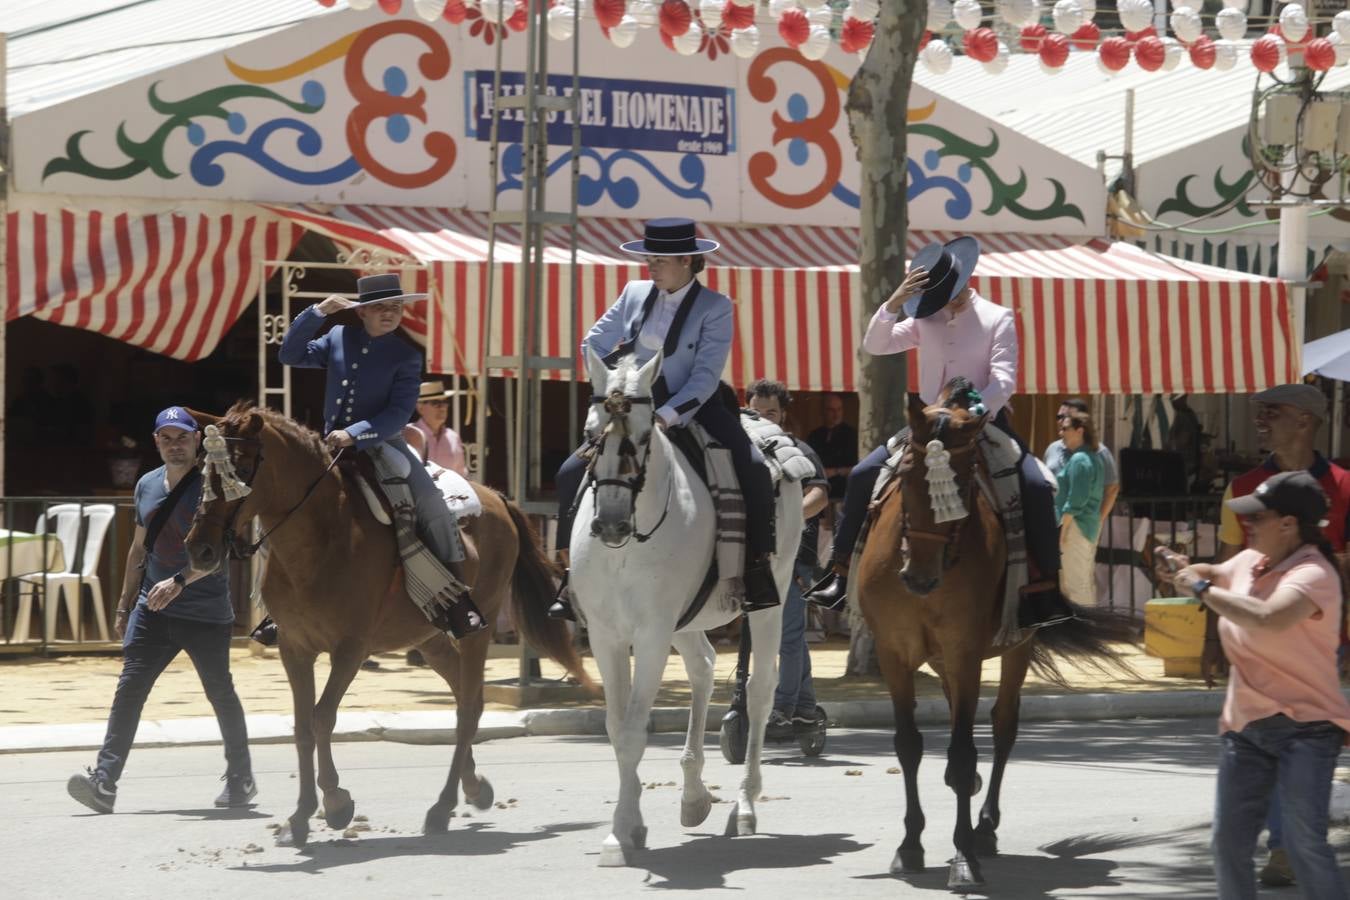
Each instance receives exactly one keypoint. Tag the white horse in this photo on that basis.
(642, 542)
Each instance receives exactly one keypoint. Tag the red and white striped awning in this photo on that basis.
(1093, 316)
(169, 281)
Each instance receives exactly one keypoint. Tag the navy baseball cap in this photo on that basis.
(175, 417)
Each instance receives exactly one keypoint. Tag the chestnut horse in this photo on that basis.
(334, 585)
(934, 594)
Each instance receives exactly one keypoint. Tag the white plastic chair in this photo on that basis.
(65, 585)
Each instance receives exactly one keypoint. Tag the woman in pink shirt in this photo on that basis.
(1285, 719)
(428, 435)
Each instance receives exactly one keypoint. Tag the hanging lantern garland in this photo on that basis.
(1052, 30)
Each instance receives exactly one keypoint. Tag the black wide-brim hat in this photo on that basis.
(949, 268)
(379, 288)
(670, 237)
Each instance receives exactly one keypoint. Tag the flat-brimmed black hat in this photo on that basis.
(949, 268)
(1294, 494)
(379, 288)
(670, 237)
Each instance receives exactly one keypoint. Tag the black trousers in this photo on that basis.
(724, 426)
(1038, 507)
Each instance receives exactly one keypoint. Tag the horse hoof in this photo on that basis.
(295, 833)
(907, 862)
(338, 809)
(483, 799)
(437, 821)
(639, 836)
(964, 874)
(693, 813)
(977, 786)
(612, 854)
(986, 843)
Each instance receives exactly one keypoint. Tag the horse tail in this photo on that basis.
(1086, 639)
(532, 588)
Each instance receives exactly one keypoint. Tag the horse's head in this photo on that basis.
(232, 460)
(938, 481)
(621, 424)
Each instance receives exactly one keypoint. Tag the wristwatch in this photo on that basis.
(179, 580)
(1199, 588)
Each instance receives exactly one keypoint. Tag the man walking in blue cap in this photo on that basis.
(165, 608)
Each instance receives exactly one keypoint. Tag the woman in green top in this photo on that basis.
(1078, 504)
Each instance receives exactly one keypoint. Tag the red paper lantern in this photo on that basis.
(1266, 53)
(923, 41)
(1032, 36)
(520, 19)
(981, 44)
(609, 12)
(675, 18)
(794, 27)
(391, 6)
(1150, 53)
(736, 17)
(327, 2)
(1114, 53)
(1319, 54)
(855, 35)
(1087, 37)
(1202, 52)
(1137, 36)
(1054, 50)
(455, 12)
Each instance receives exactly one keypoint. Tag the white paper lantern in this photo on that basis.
(745, 2)
(429, 10)
(822, 16)
(561, 23)
(1232, 24)
(817, 43)
(710, 11)
(490, 10)
(939, 14)
(645, 12)
(937, 57)
(996, 65)
(967, 13)
(745, 42)
(1342, 47)
(812, 4)
(778, 7)
(1225, 55)
(866, 10)
(1293, 23)
(1341, 22)
(1089, 8)
(623, 34)
(1019, 13)
(360, 4)
(1186, 24)
(1135, 15)
(688, 43)
(1051, 70)
(1068, 16)
(1174, 53)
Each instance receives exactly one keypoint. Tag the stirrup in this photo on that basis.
(265, 633)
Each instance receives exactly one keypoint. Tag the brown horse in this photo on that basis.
(334, 585)
(934, 594)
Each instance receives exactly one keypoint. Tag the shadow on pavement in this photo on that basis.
(478, 839)
(210, 814)
(707, 861)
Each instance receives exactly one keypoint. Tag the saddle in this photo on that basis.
(460, 498)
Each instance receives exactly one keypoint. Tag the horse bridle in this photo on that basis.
(239, 548)
(617, 406)
(951, 538)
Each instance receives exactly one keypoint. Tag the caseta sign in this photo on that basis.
(616, 113)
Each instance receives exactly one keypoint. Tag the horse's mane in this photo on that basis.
(284, 425)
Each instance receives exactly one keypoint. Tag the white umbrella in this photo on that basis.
(1328, 356)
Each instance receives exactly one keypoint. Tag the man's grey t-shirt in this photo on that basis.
(206, 599)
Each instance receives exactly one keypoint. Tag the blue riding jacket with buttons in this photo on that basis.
(372, 383)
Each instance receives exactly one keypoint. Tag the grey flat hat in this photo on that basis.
(1304, 396)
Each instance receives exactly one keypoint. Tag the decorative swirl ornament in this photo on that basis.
(218, 462)
(943, 492)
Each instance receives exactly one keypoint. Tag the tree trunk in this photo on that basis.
(878, 100)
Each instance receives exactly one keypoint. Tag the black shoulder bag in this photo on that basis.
(161, 516)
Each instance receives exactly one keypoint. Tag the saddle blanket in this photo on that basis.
(460, 497)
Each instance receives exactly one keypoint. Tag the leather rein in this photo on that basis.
(617, 406)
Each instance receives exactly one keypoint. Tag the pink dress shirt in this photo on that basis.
(445, 450)
(979, 342)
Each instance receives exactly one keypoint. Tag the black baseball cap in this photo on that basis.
(1294, 494)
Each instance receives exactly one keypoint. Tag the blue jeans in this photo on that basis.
(796, 692)
(152, 641)
(1301, 758)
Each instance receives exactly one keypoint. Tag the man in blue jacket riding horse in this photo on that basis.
(693, 327)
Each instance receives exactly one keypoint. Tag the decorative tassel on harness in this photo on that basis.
(942, 488)
(218, 462)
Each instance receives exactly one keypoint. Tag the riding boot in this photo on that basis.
(266, 632)
(760, 590)
(460, 617)
(562, 603)
(830, 592)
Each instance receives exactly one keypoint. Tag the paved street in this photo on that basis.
(1090, 809)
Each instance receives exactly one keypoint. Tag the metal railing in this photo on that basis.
(1187, 523)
